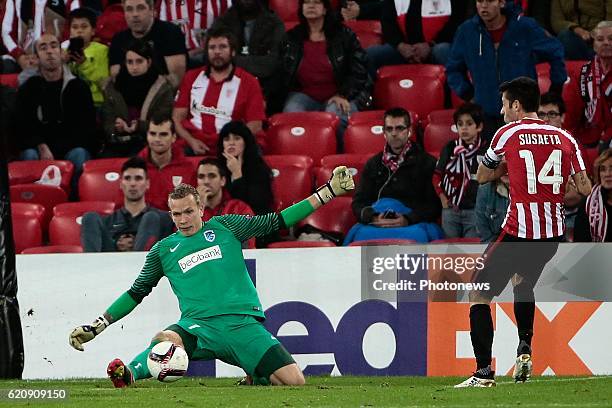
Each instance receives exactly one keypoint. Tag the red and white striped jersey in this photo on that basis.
(540, 159)
(212, 104)
(18, 34)
(193, 16)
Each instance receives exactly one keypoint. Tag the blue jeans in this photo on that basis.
(300, 102)
(459, 224)
(575, 47)
(386, 54)
(77, 156)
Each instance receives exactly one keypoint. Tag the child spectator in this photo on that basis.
(455, 176)
(88, 59)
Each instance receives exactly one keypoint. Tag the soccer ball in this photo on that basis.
(167, 362)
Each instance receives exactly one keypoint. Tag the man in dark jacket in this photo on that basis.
(55, 109)
(402, 171)
(495, 46)
(416, 32)
(259, 33)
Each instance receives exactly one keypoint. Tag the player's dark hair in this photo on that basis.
(160, 118)
(135, 163)
(84, 13)
(331, 22)
(398, 113)
(553, 98)
(472, 109)
(221, 32)
(602, 158)
(214, 162)
(524, 90)
(150, 3)
(184, 190)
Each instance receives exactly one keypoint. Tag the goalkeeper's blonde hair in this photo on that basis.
(184, 190)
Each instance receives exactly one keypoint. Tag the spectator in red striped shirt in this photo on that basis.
(540, 159)
(211, 96)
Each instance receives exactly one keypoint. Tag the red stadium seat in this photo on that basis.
(31, 210)
(456, 241)
(408, 70)
(369, 32)
(301, 244)
(9, 80)
(26, 232)
(383, 242)
(590, 155)
(65, 230)
(47, 196)
(54, 249)
(335, 216)
(292, 180)
(437, 136)
(416, 93)
(100, 180)
(444, 116)
(354, 162)
(285, 9)
(30, 171)
(81, 207)
(364, 138)
(302, 133)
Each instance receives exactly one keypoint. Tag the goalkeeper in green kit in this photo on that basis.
(221, 313)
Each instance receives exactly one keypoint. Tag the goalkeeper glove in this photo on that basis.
(341, 182)
(85, 333)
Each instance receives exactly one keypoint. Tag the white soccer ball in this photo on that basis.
(167, 362)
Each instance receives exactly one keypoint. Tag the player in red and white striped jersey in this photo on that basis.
(193, 16)
(539, 159)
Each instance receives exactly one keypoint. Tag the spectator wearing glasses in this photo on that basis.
(395, 190)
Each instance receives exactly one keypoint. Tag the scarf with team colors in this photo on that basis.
(391, 160)
(457, 175)
(598, 216)
(590, 83)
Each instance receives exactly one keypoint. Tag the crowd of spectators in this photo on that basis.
(164, 80)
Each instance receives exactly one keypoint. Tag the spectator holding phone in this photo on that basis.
(87, 59)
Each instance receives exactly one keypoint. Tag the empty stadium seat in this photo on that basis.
(53, 249)
(437, 136)
(301, 244)
(79, 208)
(571, 90)
(417, 93)
(27, 232)
(100, 180)
(285, 9)
(302, 133)
(369, 32)
(444, 116)
(30, 171)
(292, 179)
(408, 70)
(47, 196)
(32, 210)
(364, 138)
(354, 162)
(383, 242)
(65, 230)
(335, 216)
(10, 80)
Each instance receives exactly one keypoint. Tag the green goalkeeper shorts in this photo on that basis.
(239, 340)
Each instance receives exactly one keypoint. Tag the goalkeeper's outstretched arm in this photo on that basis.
(340, 183)
(147, 279)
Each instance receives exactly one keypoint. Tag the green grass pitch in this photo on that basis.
(326, 392)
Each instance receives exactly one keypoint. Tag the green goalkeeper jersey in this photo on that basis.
(206, 271)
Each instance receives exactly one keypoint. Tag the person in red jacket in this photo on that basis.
(166, 164)
(216, 200)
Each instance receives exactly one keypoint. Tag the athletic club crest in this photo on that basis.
(176, 180)
(209, 235)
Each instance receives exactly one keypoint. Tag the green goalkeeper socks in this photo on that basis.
(138, 366)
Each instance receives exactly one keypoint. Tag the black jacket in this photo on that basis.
(410, 184)
(392, 34)
(63, 121)
(348, 60)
